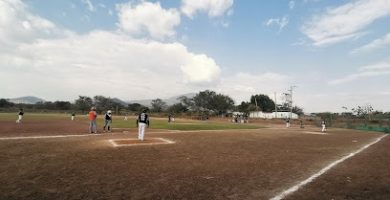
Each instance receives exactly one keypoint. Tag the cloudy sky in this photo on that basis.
(337, 52)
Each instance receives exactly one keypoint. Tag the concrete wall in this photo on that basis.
(280, 115)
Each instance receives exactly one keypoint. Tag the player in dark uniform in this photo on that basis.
(142, 121)
(107, 121)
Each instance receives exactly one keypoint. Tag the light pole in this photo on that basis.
(291, 99)
(346, 116)
(276, 107)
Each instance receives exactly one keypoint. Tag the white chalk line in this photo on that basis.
(315, 133)
(124, 132)
(163, 141)
(322, 171)
(63, 136)
(47, 136)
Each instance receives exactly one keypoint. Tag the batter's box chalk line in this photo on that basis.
(315, 133)
(137, 142)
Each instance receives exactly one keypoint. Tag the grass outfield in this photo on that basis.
(118, 122)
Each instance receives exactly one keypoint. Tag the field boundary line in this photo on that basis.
(323, 170)
(46, 136)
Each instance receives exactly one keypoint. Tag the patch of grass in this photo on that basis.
(159, 123)
(34, 116)
(118, 122)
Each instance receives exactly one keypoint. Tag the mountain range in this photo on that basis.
(145, 102)
(26, 100)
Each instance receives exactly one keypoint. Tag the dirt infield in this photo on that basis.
(230, 164)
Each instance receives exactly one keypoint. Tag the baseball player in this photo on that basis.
(92, 120)
(107, 121)
(142, 121)
(288, 123)
(73, 115)
(20, 116)
(323, 124)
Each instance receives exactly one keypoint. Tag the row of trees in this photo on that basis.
(207, 102)
(261, 102)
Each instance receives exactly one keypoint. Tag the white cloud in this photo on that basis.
(280, 22)
(200, 69)
(379, 69)
(89, 4)
(291, 4)
(345, 22)
(376, 67)
(99, 62)
(376, 44)
(18, 25)
(148, 18)
(242, 85)
(214, 8)
(109, 63)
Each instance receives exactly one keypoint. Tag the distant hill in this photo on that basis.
(26, 100)
(145, 102)
(116, 100)
(169, 101)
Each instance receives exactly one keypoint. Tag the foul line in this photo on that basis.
(322, 171)
(47, 136)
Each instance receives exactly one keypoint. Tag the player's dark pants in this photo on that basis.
(107, 123)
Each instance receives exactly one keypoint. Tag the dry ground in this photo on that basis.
(230, 164)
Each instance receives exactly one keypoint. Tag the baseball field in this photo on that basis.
(48, 156)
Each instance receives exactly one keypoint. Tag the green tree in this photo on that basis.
(244, 107)
(177, 108)
(207, 100)
(103, 103)
(222, 103)
(4, 103)
(297, 110)
(187, 102)
(136, 107)
(263, 102)
(203, 101)
(83, 103)
(158, 105)
(364, 112)
(62, 105)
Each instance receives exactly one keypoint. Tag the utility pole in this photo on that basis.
(291, 99)
(276, 107)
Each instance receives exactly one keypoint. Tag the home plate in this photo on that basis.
(137, 142)
(316, 133)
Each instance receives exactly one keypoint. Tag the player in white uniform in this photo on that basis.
(288, 123)
(20, 116)
(142, 121)
(323, 126)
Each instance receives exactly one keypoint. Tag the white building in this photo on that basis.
(272, 115)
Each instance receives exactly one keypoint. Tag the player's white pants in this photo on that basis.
(19, 118)
(141, 131)
(323, 128)
(72, 118)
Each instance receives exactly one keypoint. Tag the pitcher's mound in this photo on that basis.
(136, 142)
